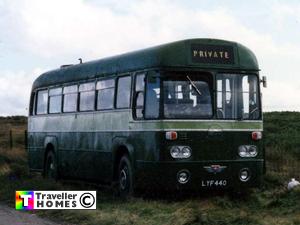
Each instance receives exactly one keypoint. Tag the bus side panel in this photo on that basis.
(102, 163)
(76, 149)
(36, 151)
(112, 131)
(36, 148)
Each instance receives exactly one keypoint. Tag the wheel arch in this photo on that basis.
(50, 144)
(121, 148)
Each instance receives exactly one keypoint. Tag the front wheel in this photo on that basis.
(50, 169)
(125, 178)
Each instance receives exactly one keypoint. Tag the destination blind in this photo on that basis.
(214, 54)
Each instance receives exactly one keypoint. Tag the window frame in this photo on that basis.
(97, 93)
(36, 102)
(142, 73)
(79, 95)
(61, 101)
(259, 102)
(209, 79)
(32, 104)
(130, 89)
(160, 110)
(63, 95)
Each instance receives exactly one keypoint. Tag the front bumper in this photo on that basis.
(202, 175)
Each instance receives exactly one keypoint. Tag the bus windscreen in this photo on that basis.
(237, 97)
(187, 96)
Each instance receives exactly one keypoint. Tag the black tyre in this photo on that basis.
(125, 178)
(50, 169)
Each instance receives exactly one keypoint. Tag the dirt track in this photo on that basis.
(9, 216)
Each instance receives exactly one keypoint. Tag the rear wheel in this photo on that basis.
(125, 178)
(50, 170)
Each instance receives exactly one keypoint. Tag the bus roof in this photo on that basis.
(190, 53)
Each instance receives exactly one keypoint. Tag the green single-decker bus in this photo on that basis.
(182, 115)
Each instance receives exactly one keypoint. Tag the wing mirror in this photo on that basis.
(264, 81)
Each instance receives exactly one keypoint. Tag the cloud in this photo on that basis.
(64, 29)
(55, 28)
(15, 91)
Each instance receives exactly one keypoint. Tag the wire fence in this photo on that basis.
(13, 138)
(283, 162)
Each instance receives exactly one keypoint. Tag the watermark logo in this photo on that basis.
(29, 200)
(24, 200)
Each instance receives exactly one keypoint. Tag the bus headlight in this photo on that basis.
(181, 152)
(186, 152)
(175, 152)
(243, 151)
(247, 151)
(252, 150)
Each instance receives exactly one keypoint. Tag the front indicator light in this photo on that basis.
(171, 135)
(256, 135)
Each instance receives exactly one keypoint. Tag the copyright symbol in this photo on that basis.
(87, 200)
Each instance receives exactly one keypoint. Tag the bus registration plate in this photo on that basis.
(213, 183)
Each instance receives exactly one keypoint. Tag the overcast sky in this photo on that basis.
(39, 35)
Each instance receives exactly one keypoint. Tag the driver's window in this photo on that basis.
(139, 91)
(249, 91)
(152, 97)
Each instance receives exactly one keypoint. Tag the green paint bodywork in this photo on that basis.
(87, 144)
(172, 55)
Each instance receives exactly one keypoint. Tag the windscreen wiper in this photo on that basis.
(193, 85)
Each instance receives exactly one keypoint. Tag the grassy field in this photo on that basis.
(272, 204)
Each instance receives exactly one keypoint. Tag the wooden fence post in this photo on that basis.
(10, 139)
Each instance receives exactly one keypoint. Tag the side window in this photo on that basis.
(139, 82)
(87, 96)
(31, 104)
(237, 96)
(139, 90)
(152, 97)
(55, 98)
(250, 97)
(70, 98)
(42, 102)
(106, 91)
(123, 92)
